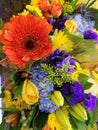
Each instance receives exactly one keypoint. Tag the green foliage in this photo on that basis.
(90, 118)
(16, 79)
(82, 49)
(95, 113)
(10, 109)
(83, 78)
(33, 113)
(18, 91)
(40, 120)
(57, 75)
(1, 24)
(2, 125)
(17, 127)
(1, 52)
(76, 124)
(94, 15)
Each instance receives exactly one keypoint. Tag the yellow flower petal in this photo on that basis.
(30, 93)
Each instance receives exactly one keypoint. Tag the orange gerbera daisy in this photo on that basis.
(26, 38)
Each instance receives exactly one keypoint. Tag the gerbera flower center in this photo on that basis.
(29, 44)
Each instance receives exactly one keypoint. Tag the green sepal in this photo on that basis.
(40, 120)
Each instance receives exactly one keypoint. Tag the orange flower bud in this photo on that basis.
(43, 5)
(56, 9)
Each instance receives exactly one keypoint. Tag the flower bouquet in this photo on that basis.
(52, 47)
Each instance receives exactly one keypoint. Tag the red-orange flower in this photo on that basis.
(26, 38)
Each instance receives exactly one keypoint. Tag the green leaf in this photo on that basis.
(82, 49)
(73, 3)
(90, 117)
(10, 109)
(95, 113)
(40, 120)
(17, 127)
(77, 125)
(2, 125)
(87, 85)
(18, 91)
(16, 78)
(33, 114)
(83, 78)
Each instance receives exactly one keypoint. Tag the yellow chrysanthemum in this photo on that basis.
(62, 42)
(34, 2)
(35, 10)
(19, 103)
(24, 13)
(53, 122)
(8, 98)
(79, 70)
(59, 1)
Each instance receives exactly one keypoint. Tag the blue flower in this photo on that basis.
(83, 23)
(90, 102)
(39, 78)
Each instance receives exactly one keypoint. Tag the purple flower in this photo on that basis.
(58, 22)
(77, 88)
(89, 34)
(59, 58)
(65, 88)
(90, 102)
(77, 93)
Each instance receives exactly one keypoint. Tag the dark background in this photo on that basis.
(10, 7)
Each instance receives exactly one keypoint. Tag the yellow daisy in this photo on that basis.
(62, 42)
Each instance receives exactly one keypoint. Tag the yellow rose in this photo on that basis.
(71, 26)
(30, 92)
